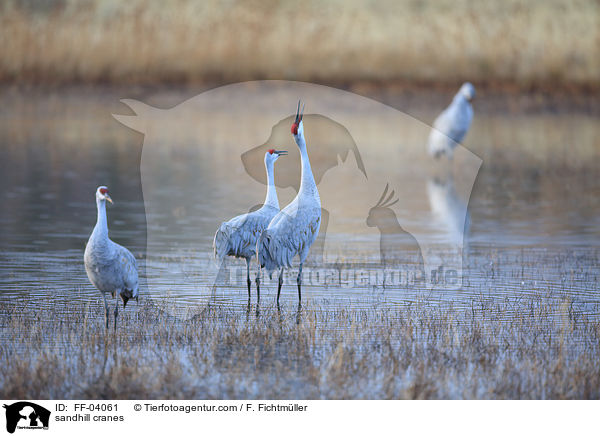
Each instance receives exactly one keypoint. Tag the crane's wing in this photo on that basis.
(455, 121)
(288, 235)
(127, 266)
(238, 236)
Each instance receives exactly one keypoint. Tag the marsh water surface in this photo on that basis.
(534, 207)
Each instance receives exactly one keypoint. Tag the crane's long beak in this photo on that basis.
(281, 152)
(108, 198)
(299, 114)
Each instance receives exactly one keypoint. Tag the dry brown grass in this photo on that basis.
(529, 349)
(182, 40)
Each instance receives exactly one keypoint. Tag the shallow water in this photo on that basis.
(534, 208)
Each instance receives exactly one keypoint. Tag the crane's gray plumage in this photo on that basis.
(451, 126)
(110, 267)
(237, 237)
(290, 233)
(293, 230)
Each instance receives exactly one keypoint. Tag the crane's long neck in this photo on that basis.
(271, 198)
(101, 229)
(460, 99)
(307, 180)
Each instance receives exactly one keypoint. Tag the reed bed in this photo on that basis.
(532, 348)
(149, 41)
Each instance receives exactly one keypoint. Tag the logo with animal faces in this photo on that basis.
(25, 415)
(386, 204)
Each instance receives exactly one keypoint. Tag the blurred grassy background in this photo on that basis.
(541, 43)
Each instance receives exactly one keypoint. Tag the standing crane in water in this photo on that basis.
(110, 267)
(237, 237)
(293, 230)
(451, 126)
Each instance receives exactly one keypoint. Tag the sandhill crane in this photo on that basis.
(293, 230)
(237, 237)
(451, 126)
(109, 266)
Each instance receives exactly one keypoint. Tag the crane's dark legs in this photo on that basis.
(116, 312)
(248, 276)
(105, 309)
(279, 285)
(258, 273)
(299, 281)
(258, 286)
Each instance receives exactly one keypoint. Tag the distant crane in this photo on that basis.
(109, 266)
(237, 237)
(451, 126)
(293, 230)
